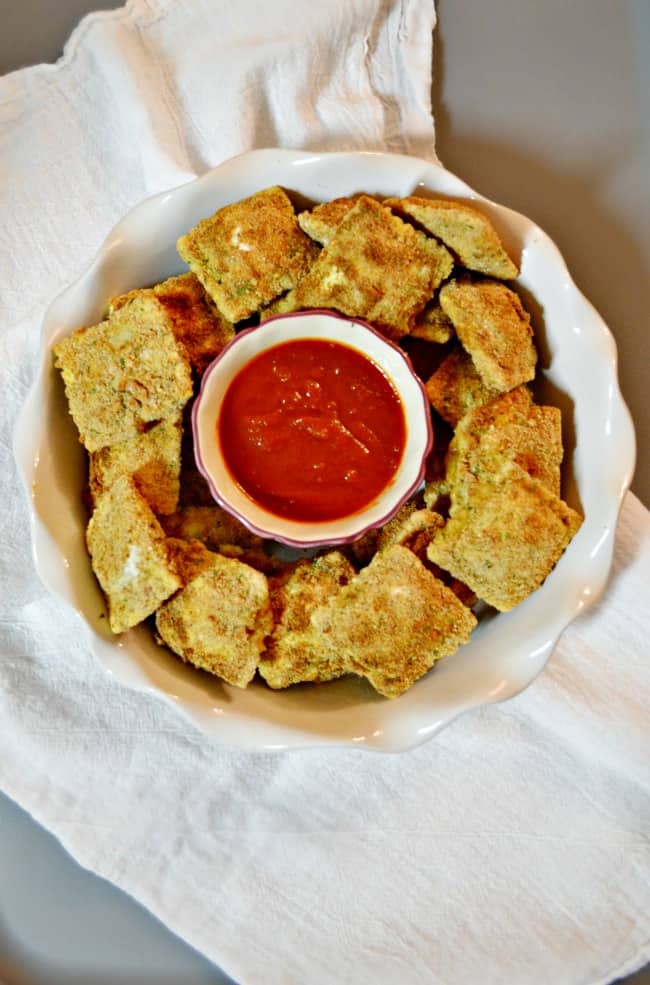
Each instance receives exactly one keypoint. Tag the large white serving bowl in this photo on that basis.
(578, 373)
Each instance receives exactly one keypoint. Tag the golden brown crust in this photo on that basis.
(196, 323)
(456, 387)
(375, 267)
(152, 458)
(190, 558)
(129, 555)
(412, 527)
(219, 619)
(212, 525)
(293, 654)
(464, 230)
(507, 536)
(123, 374)
(226, 601)
(432, 324)
(494, 329)
(393, 621)
(248, 253)
(321, 222)
(223, 533)
(509, 428)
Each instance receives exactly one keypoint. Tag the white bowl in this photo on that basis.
(506, 651)
(327, 326)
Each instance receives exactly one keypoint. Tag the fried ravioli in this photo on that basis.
(294, 654)
(465, 231)
(153, 459)
(375, 267)
(123, 374)
(393, 621)
(248, 253)
(494, 329)
(509, 428)
(432, 324)
(191, 558)
(412, 527)
(223, 533)
(219, 619)
(489, 524)
(196, 322)
(212, 525)
(456, 388)
(504, 541)
(129, 555)
(321, 222)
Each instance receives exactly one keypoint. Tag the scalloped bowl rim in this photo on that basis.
(383, 507)
(506, 652)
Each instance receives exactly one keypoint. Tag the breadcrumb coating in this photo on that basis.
(248, 253)
(129, 555)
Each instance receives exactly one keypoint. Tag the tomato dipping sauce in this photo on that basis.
(312, 430)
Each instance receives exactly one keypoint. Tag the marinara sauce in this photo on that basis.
(312, 430)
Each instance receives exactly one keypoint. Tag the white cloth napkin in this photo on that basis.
(512, 848)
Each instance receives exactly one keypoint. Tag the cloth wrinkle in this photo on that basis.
(523, 827)
(389, 103)
(194, 163)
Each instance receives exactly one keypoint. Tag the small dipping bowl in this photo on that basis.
(329, 327)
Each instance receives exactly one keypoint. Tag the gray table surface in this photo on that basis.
(544, 107)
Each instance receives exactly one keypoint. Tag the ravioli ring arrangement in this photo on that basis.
(489, 524)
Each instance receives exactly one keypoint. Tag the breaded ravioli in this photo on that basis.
(294, 654)
(248, 253)
(129, 555)
(123, 374)
(190, 558)
(375, 267)
(456, 388)
(223, 533)
(212, 525)
(488, 525)
(393, 621)
(219, 619)
(504, 541)
(412, 526)
(153, 459)
(432, 324)
(321, 222)
(509, 428)
(465, 231)
(196, 322)
(494, 329)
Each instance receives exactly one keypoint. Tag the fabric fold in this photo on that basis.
(513, 847)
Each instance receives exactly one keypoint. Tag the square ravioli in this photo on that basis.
(432, 324)
(153, 459)
(456, 388)
(196, 322)
(494, 329)
(219, 619)
(509, 428)
(374, 267)
(249, 252)
(212, 525)
(412, 526)
(295, 654)
(130, 555)
(123, 374)
(222, 533)
(505, 540)
(465, 231)
(321, 222)
(393, 621)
